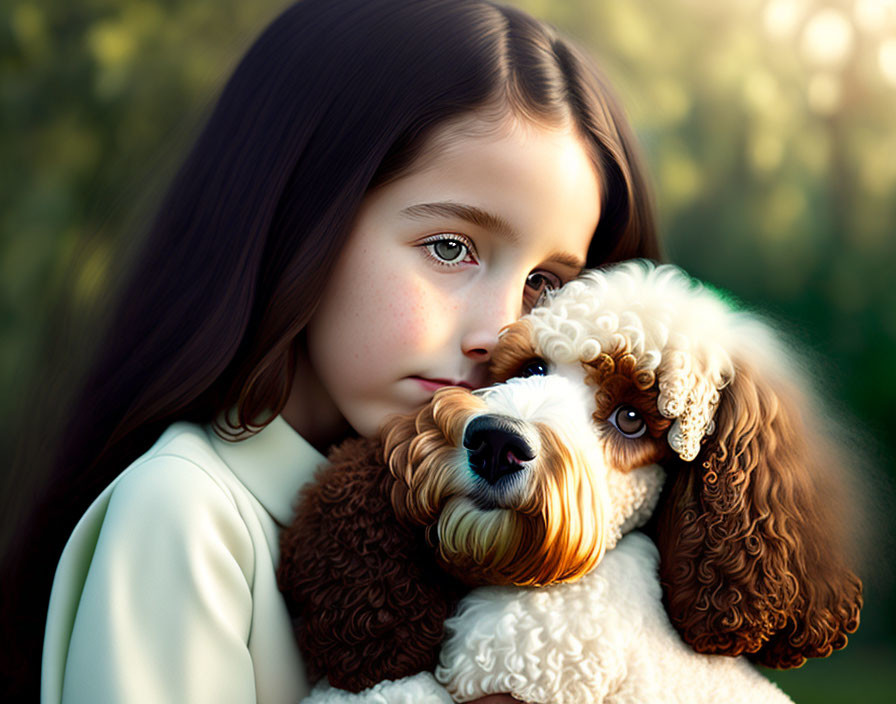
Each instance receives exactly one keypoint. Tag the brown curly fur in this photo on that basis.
(367, 599)
(540, 542)
(617, 380)
(752, 550)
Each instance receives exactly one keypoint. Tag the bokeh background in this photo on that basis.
(769, 127)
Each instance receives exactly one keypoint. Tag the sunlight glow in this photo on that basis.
(875, 15)
(886, 59)
(782, 17)
(827, 39)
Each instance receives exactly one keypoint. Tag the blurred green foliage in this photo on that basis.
(769, 128)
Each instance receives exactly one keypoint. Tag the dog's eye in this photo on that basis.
(628, 421)
(534, 367)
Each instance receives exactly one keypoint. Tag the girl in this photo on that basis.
(380, 188)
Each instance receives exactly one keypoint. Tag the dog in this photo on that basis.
(633, 397)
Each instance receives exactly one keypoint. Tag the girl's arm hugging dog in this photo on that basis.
(633, 396)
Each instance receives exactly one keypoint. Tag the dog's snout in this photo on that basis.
(496, 447)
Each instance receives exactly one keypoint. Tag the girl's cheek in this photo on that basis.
(418, 312)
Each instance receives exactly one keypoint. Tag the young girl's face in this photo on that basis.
(440, 260)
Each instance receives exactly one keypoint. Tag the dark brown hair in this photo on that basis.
(334, 97)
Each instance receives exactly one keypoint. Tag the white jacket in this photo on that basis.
(166, 590)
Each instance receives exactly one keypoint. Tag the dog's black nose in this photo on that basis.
(496, 446)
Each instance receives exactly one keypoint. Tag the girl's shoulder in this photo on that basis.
(181, 467)
(192, 479)
(170, 529)
(177, 495)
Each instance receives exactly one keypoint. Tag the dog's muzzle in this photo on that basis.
(497, 446)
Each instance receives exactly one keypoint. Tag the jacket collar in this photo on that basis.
(273, 464)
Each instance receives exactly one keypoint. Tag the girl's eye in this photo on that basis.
(628, 421)
(534, 367)
(449, 249)
(537, 284)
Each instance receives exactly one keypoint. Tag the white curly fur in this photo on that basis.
(603, 639)
(421, 688)
(672, 325)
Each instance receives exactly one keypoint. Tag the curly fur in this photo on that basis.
(751, 555)
(368, 599)
(673, 327)
(548, 532)
(421, 688)
(604, 638)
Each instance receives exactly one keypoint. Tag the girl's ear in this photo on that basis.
(753, 559)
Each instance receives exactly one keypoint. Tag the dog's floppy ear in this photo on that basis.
(753, 558)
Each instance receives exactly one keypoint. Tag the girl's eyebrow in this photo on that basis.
(470, 213)
(570, 260)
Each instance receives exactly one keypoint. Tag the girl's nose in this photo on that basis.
(479, 350)
(487, 317)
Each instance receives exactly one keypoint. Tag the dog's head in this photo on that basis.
(624, 376)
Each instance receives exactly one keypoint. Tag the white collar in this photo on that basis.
(273, 464)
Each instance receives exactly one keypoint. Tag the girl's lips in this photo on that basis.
(435, 384)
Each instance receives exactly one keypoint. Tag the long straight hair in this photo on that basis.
(334, 98)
